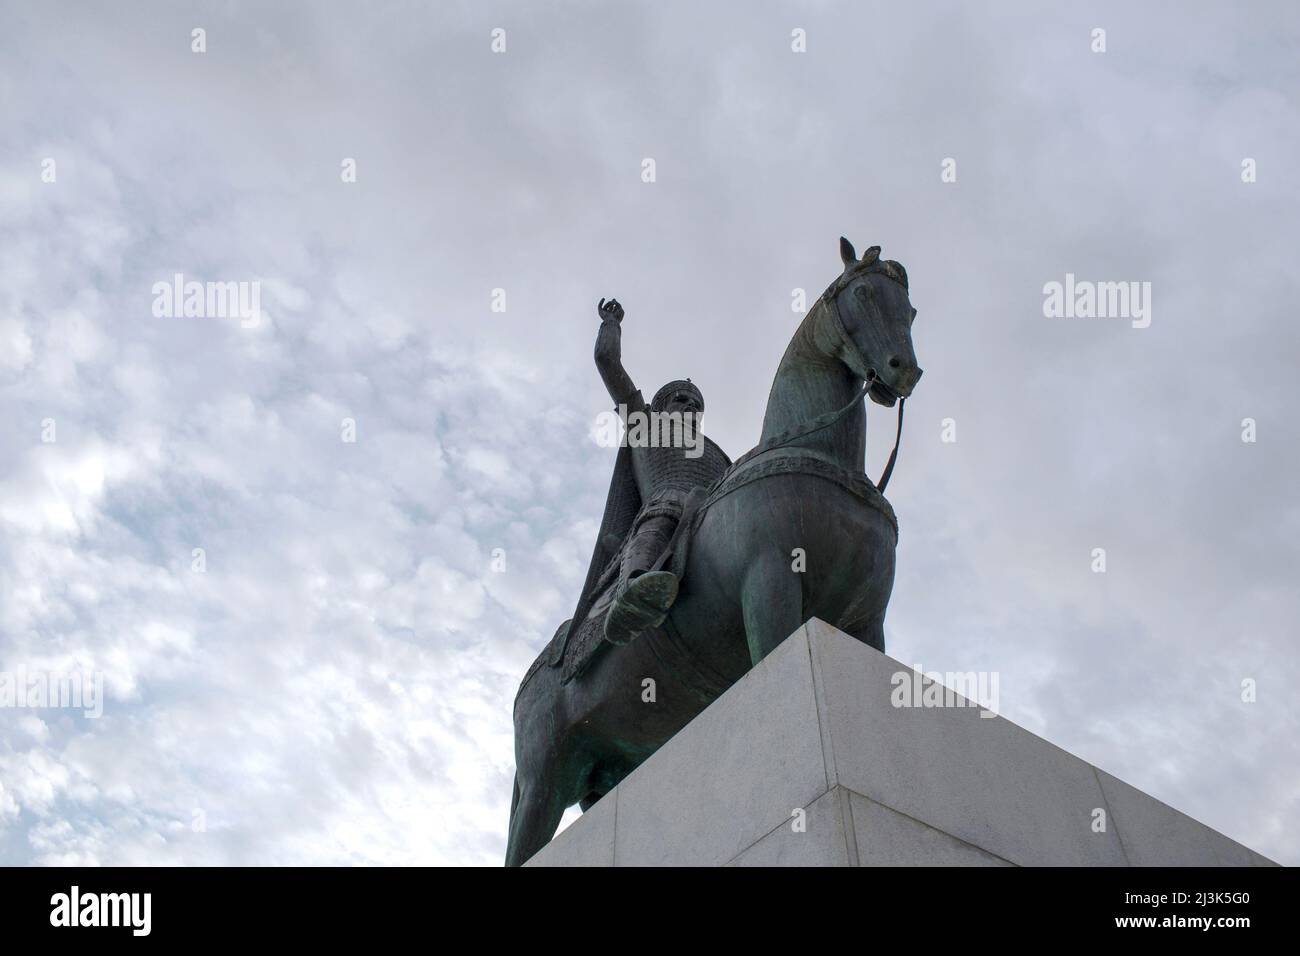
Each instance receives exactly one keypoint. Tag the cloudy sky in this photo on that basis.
(336, 685)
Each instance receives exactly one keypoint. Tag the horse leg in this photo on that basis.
(540, 761)
(534, 814)
(873, 634)
(771, 600)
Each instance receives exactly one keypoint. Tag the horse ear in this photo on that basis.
(847, 253)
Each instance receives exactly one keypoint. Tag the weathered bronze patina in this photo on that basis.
(735, 556)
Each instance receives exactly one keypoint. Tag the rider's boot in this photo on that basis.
(644, 597)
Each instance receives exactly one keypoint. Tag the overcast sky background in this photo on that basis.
(337, 687)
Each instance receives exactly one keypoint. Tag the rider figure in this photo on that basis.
(664, 475)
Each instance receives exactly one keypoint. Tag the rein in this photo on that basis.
(830, 418)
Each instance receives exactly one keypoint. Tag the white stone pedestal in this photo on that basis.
(813, 728)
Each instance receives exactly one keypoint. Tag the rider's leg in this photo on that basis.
(644, 596)
(647, 544)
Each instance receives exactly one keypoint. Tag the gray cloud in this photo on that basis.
(337, 686)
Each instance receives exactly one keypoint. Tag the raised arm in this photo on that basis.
(609, 355)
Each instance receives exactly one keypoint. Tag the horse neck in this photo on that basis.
(810, 382)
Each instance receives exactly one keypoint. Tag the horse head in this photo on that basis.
(871, 324)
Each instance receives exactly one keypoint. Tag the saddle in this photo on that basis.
(586, 638)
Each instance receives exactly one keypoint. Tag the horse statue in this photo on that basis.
(792, 530)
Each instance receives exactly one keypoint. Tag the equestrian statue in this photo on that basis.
(703, 566)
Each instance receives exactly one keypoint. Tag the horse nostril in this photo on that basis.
(894, 362)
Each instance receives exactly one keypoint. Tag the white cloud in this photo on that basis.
(336, 686)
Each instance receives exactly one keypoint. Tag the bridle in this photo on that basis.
(869, 264)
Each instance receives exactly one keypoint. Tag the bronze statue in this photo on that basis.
(702, 567)
(652, 480)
